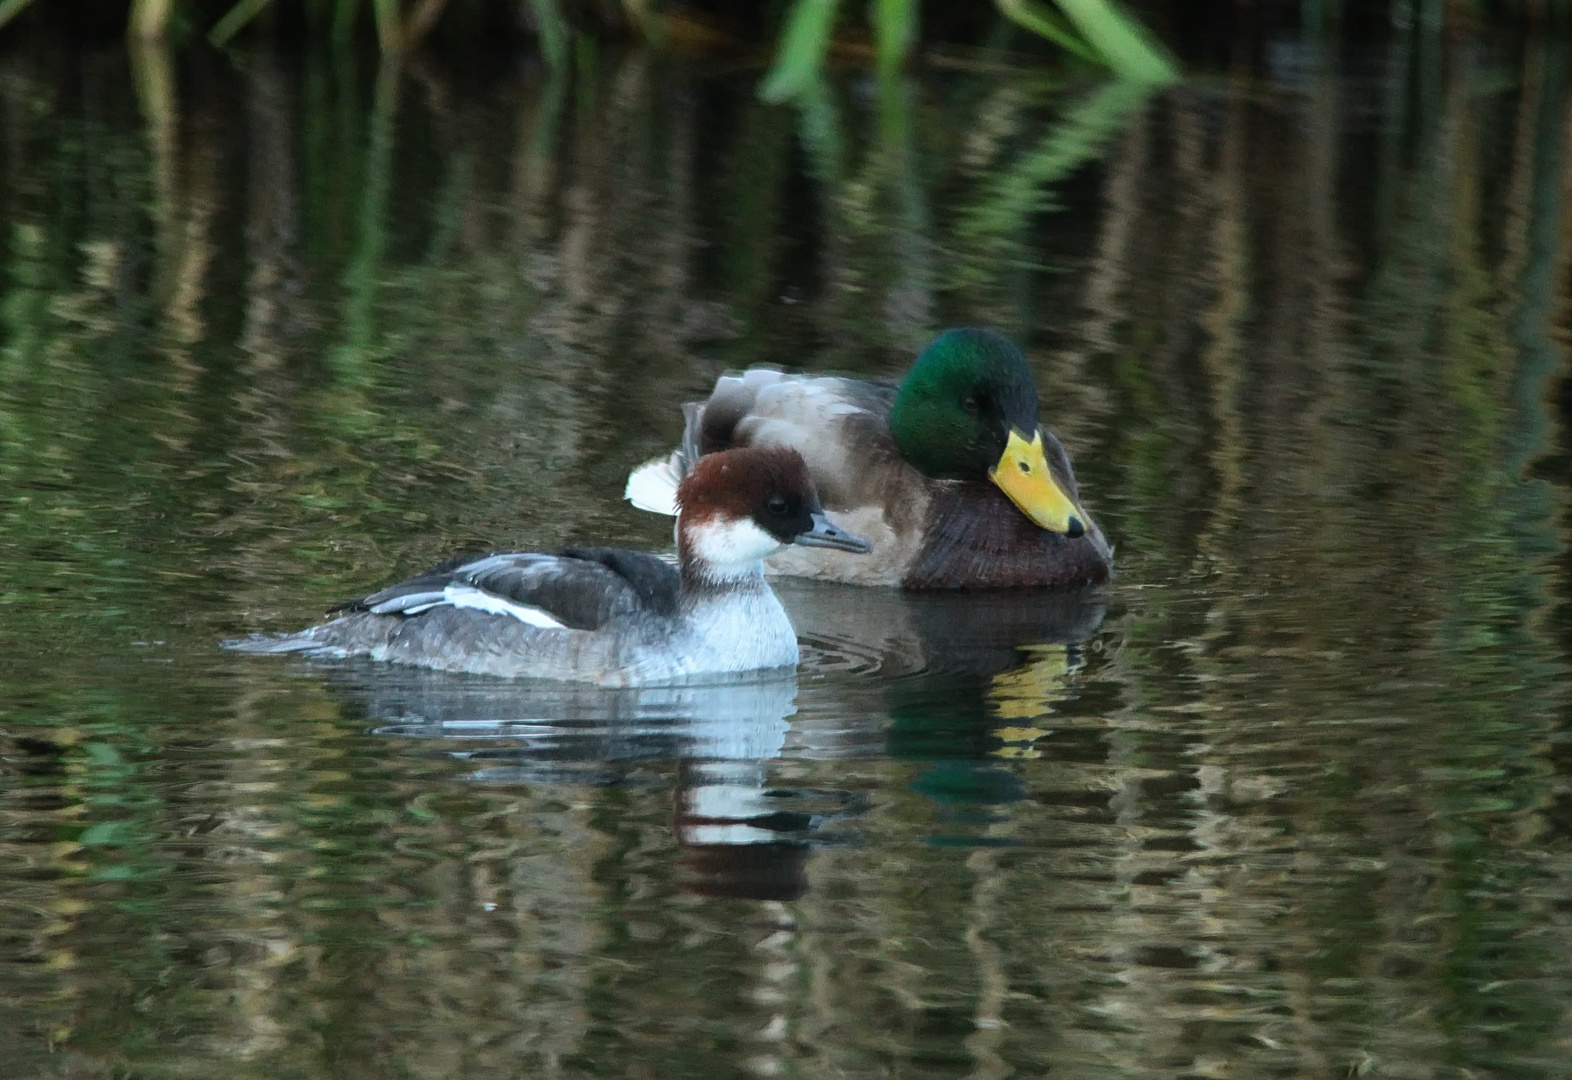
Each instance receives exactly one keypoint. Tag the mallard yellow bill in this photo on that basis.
(1023, 475)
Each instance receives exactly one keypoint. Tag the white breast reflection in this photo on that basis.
(955, 683)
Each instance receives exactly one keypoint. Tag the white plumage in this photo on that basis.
(465, 596)
(653, 486)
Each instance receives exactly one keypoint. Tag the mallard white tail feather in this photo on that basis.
(653, 485)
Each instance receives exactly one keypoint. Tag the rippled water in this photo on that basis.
(1289, 798)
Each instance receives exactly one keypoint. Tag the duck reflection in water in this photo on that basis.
(974, 677)
(739, 837)
(958, 677)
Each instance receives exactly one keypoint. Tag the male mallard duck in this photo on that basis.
(950, 475)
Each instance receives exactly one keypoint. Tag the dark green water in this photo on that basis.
(1289, 799)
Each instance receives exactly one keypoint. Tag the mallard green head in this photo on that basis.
(967, 410)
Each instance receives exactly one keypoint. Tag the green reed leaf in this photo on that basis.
(149, 18)
(235, 20)
(552, 30)
(1120, 39)
(894, 31)
(801, 53)
(344, 13)
(390, 33)
(10, 9)
(1044, 23)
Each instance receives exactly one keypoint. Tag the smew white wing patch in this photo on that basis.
(467, 596)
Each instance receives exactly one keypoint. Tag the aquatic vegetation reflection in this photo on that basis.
(1288, 799)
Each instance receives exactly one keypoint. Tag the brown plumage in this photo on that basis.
(928, 533)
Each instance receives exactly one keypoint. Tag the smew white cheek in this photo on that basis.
(731, 547)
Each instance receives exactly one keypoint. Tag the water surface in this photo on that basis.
(1287, 799)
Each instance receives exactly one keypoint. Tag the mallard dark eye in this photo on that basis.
(777, 504)
(969, 403)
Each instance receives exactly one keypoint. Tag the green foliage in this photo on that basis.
(1096, 30)
(1119, 40)
(1043, 22)
(800, 55)
(1100, 32)
(553, 31)
(235, 20)
(895, 27)
(10, 9)
(994, 221)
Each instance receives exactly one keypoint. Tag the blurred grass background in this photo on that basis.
(797, 39)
